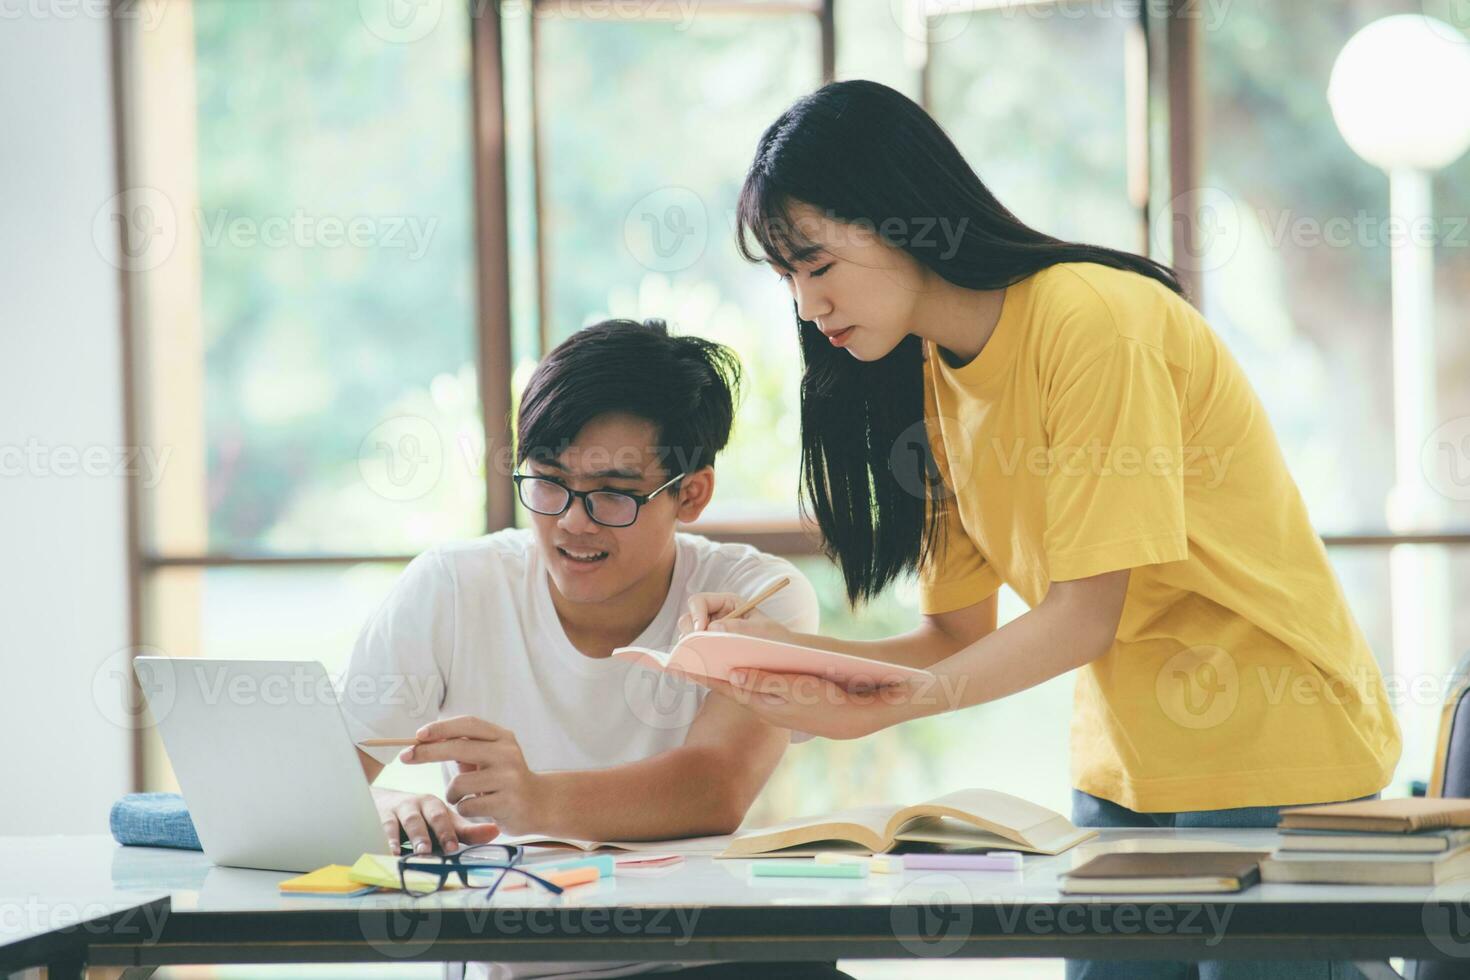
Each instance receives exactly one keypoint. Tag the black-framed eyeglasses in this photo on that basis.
(610, 508)
(478, 860)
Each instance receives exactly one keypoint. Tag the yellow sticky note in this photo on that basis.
(331, 880)
(382, 870)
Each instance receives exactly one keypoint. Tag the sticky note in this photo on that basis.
(565, 878)
(334, 879)
(382, 871)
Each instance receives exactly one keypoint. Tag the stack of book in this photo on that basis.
(1415, 841)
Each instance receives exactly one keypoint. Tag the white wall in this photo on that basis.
(63, 587)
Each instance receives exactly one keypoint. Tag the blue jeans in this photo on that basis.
(1092, 811)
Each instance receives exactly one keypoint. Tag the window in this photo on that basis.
(308, 347)
(305, 295)
(1296, 273)
(638, 183)
(317, 248)
(304, 323)
(1045, 101)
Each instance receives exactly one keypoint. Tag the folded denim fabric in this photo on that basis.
(153, 820)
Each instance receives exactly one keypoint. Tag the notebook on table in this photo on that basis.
(1169, 872)
(1423, 842)
(1399, 816)
(1365, 868)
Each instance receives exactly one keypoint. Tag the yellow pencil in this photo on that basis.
(760, 597)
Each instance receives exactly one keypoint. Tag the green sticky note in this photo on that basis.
(792, 868)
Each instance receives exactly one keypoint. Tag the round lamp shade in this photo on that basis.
(1400, 93)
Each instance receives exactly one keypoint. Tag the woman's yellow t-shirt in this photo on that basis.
(1105, 426)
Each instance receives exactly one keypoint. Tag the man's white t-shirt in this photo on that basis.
(470, 629)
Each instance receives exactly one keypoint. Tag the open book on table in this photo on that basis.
(968, 819)
(706, 654)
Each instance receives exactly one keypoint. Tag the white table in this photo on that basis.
(52, 925)
(708, 909)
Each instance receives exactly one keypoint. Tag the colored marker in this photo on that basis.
(795, 868)
(995, 861)
(881, 864)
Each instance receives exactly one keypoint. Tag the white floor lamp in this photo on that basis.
(1400, 94)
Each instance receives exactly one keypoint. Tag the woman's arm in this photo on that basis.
(938, 636)
(1075, 624)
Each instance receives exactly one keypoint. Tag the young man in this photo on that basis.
(510, 634)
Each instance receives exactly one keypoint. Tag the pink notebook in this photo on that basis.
(716, 654)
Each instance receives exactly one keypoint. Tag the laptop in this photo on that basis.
(264, 760)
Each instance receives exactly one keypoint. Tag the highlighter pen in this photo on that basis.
(995, 861)
(796, 868)
(881, 864)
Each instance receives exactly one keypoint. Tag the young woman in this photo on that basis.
(1081, 435)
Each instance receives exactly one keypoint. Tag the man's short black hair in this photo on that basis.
(686, 386)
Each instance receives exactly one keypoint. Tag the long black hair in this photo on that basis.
(862, 153)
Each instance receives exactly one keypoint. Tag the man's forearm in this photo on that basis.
(685, 792)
